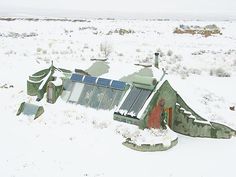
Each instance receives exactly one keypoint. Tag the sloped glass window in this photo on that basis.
(86, 94)
(67, 88)
(30, 109)
(68, 85)
(117, 97)
(109, 95)
(97, 97)
(76, 92)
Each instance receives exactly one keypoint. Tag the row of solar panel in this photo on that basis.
(134, 102)
(91, 95)
(119, 85)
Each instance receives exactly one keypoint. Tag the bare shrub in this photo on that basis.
(195, 71)
(106, 49)
(178, 57)
(122, 31)
(39, 49)
(169, 52)
(86, 46)
(120, 54)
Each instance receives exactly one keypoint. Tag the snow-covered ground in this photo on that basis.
(71, 140)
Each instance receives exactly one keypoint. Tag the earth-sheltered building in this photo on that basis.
(144, 98)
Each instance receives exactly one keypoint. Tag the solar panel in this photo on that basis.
(119, 85)
(134, 102)
(103, 82)
(76, 77)
(130, 99)
(89, 80)
(139, 102)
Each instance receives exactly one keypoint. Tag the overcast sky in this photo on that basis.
(146, 6)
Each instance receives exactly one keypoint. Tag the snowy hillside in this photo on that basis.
(71, 140)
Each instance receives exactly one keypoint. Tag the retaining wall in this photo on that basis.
(189, 123)
(148, 147)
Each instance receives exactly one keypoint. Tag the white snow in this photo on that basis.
(45, 80)
(70, 140)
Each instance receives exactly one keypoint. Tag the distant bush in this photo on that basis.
(219, 72)
(86, 46)
(39, 49)
(205, 31)
(121, 31)
(234, 62)
(87, 28)
(195, 71)
(44, 51)
(170, 53)
(120, 54)
(200, 52)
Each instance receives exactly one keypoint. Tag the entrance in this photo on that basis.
(154, 120)
(168, 116)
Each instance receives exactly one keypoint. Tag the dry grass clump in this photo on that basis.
(121, 31)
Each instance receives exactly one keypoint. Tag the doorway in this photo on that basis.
(168, 116)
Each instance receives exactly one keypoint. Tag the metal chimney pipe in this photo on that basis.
(156, 60)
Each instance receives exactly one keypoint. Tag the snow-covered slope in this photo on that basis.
(71, 140)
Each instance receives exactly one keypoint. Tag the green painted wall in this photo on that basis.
(35, 80)
(126, 119)
(165, 92)
(32, 87)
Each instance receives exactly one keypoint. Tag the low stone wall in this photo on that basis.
(148, 147)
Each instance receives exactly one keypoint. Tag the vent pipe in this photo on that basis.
(156, 60)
